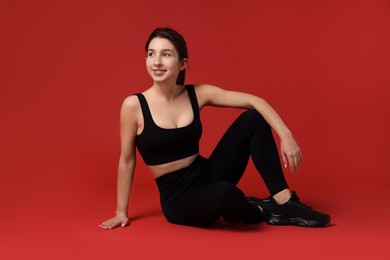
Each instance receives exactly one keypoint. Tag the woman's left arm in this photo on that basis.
(209, 95)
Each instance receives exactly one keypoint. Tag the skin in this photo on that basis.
(170, 108)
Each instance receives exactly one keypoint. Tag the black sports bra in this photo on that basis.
(160, 145)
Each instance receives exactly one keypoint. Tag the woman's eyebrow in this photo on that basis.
(161, 50)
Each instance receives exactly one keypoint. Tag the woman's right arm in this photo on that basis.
(128, 131)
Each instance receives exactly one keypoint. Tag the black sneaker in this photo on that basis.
(293, 212)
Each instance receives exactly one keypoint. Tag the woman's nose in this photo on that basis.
(157, 60)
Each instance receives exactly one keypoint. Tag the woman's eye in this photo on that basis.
(167, 55)
(150, 54)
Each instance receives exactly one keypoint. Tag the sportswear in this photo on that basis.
(161, 145)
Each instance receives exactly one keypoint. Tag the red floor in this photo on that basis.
(61, 222)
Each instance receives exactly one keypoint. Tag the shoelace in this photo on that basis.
(296, 202)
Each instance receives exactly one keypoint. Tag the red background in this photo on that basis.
(66, 67)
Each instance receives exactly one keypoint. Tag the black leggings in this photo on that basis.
(206, 190)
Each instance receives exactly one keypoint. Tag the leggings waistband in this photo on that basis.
(172, 185)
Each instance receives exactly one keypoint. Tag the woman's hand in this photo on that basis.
(291, 154)
(119, 220)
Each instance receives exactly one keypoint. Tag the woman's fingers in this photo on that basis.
(113, 223)
(285, 160)
(291, 154)
(293, 164)
(294, 160)
(107, 225)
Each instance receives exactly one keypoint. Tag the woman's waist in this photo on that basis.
(167, 168)
(184, 179)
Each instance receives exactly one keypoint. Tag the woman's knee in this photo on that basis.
(254, 118)
(227, 191)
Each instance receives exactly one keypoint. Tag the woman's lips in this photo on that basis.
(158, 72)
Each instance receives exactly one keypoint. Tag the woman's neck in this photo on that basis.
(167, 91)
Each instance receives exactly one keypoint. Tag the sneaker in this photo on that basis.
(293, 212)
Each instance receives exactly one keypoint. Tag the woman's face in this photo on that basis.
(162, 61)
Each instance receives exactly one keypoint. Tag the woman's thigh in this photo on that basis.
(230, 157)
(206, 204)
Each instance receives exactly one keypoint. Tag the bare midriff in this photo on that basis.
(162, 169)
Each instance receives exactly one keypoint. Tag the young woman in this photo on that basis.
(164, 124)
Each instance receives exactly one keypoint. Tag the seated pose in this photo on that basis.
(164, 124)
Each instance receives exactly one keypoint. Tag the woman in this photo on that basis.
(164, 124)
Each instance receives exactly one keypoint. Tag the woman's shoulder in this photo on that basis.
(205, 93)
(206, 89)
(130, 112)
(131, 104)
(131, 101)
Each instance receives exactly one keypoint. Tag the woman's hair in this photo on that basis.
(179, 43)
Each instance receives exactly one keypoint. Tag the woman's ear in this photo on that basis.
(183, 64)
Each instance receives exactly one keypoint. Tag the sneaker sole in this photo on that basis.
(280, 220)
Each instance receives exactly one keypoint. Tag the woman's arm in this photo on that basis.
(127, 162)
(209, 95)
